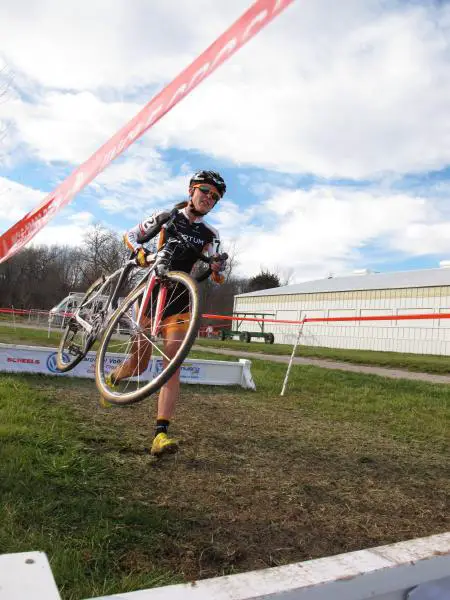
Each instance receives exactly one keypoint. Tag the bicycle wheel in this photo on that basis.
(126, 357)
(76, 341)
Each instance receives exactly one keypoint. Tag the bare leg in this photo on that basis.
(138, 358)
(168, 396)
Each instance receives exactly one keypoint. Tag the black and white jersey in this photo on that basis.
(199, 233)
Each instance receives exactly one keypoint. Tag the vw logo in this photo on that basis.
(51, 362)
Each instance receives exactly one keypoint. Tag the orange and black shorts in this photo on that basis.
(176, 315)
(179, 322)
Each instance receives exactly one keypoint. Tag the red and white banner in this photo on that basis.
(247, 26)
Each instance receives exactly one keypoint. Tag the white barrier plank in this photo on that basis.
(40, 359)
(383, 573)
(26, 576)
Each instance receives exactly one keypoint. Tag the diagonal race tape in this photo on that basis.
(246, 27)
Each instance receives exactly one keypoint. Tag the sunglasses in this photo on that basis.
(208, 192)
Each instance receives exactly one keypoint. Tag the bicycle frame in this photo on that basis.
(153, 275)
(160, 304)
(162, 293)
(112, 297)
(111, 301)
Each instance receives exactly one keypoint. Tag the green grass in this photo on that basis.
(61, 496)
(407, 410)
(342, 462)
(7, 317)
(425, 363)
(31, 337)
(28, 336)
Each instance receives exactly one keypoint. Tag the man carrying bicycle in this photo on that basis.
(205, 190)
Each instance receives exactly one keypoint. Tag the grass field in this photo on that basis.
(343, 462)
(31, 337)
(425, 363)
(27, 336)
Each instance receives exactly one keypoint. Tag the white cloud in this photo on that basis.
(82, 218)
(349, 89)
(231, 218)
(320, 93)
(424, 238)
(17, 199)
(61, 235)
(311, 232)
(109, 43)
(141, 182)
(65, 127)
(331, 229)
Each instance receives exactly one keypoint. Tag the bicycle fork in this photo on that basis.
(156, 319)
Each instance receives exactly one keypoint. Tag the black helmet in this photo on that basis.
(210, 177)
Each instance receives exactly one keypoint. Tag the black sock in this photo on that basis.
(161, 426)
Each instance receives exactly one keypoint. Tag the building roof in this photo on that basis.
(372, 281)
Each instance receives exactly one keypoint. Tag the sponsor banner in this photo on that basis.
(248, 25)
(190, 372)
(34, 359)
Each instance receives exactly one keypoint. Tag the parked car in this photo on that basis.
(58, 315)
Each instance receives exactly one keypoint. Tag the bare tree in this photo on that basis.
(232, 262)
(285, 274)
(37, 277)
(40, 276)
(102, 252)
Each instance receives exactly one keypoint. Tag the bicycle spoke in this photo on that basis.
(151, 342)
(132, 376)
(173, 300)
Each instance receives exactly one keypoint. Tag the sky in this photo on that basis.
(331, 127)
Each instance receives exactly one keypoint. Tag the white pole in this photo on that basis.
(300, 329)
(14, 316)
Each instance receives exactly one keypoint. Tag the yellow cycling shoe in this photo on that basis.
(163, 444)
(104, 403)
(109, 382)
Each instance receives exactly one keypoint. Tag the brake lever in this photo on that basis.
(210, 259)
(222, 257)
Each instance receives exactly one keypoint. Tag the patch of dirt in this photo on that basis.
(257, 485)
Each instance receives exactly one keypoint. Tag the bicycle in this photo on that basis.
(86, 321)
(158, 291)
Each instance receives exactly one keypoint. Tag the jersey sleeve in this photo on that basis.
(212, 248)
(146, 230)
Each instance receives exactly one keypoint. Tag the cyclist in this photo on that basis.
(205, 190)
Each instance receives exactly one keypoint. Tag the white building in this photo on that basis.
(424, 291)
